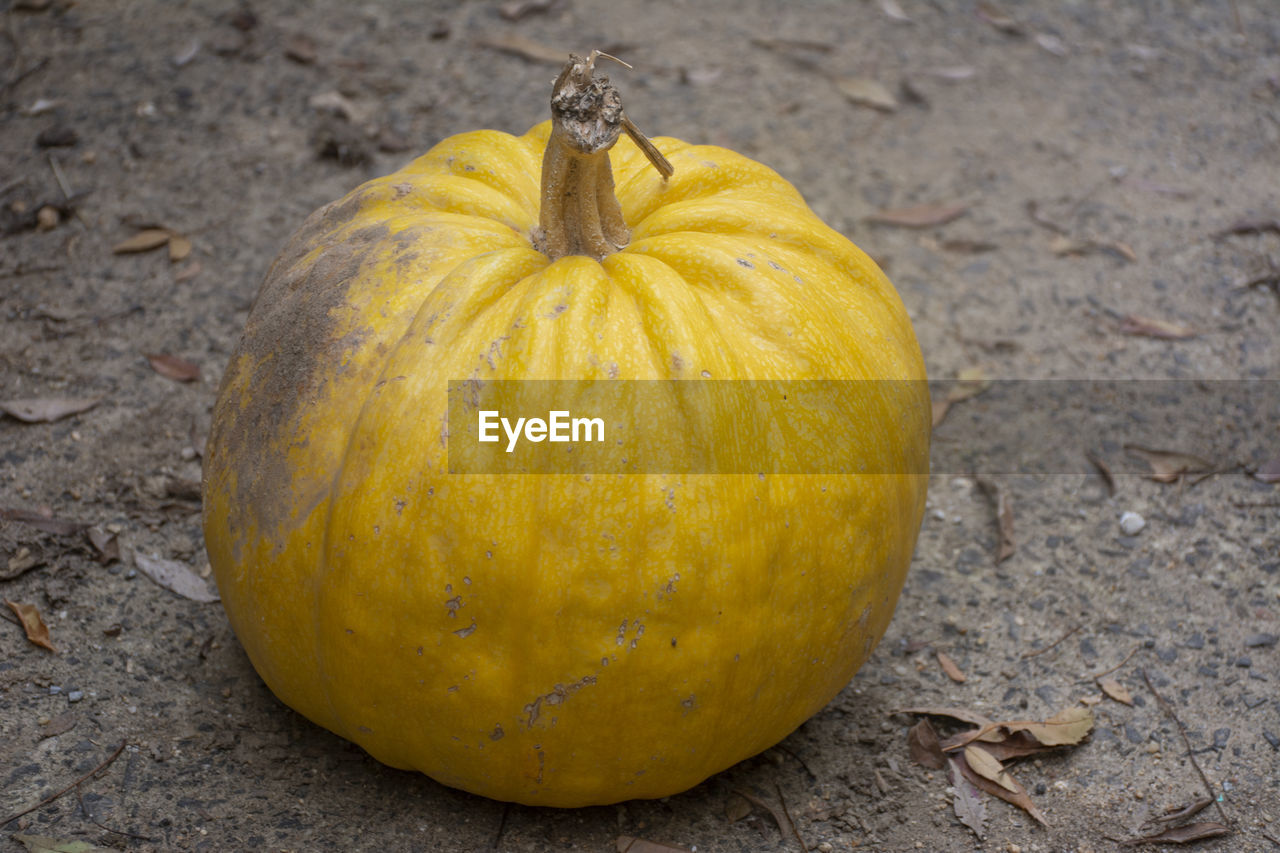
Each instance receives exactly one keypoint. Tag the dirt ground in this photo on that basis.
(1101, 150)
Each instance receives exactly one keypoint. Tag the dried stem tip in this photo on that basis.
(580, 214)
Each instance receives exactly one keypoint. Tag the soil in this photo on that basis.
(1100, 149)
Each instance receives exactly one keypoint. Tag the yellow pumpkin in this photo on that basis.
(552, 639)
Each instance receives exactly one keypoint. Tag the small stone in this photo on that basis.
(47, 218)
(75, 695)
(55, 689)
(1257, 641)
(1244, 661)
(1131, 523)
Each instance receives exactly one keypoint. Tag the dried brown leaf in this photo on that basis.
(986, 765)
(1169, 465)
(950, 668)
(780, 814)
(32, 624)
(301, 48)
(106, 544)
(1149, 327)
(866, 92)
(526, 48)
(188, 272)
(179, 248)
(59, 725)
(1068, 726)
(736, 808)
(1016, 745)
(1103, 469)
(172, 367)
(23, 561)
(1115, 690)
(999, 18)
(47, 409)
(968, 805)
(144, 241)
(1176, 814)
(175, 576)
(920, 215)
(41, 521)
(1182, 834)
(922, 741)
(515, 10)
(1017, 796)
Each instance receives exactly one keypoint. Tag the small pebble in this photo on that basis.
(55, 689)
(1258, 641)
(75, 695)
(1131, 523)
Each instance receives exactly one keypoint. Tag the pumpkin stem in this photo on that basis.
(580, 214)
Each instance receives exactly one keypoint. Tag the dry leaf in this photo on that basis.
(1103, 469)
(736, 809)
(969, 383)
(1069, 726)
(893, 11)
(780, 815)
(1016, 745)
(867, 93)
(1175, 814)
(920, 215)
(175, 576)
(172, 367)
(40, 521)
(59, 725)
(1182, 834)
(1169, 465)
(968, 805)
(922, 741)
(29, 616)
(43, 844)
(47, 409)
(23, 561)
(526, 48)
(949, 667)
(1149, 327)
(1115, 690)
(515, 10)
(179, 248)
(188, 272)
(106, 544)
(1018, 796)
(301, 49)
(999, 18)
(1268, 472)
(144, 241)
(1052, 44)
(985, 764)
(627, 844)
(952, 72)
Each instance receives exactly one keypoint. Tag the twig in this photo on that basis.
(798, 760)
(1186, 741)
(66, 190)
(85, 810)
(1036, 652)
(1117, 666)
(502, 827)
(49, 799)
(787, 813)
(1271, 838)
(23, 75)
(1255, 504)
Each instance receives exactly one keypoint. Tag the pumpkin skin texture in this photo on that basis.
(553, 639)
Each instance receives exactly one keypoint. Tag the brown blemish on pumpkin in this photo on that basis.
(558, 694)
(497, 733)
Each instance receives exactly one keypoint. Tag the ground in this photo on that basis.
(1104, 154)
